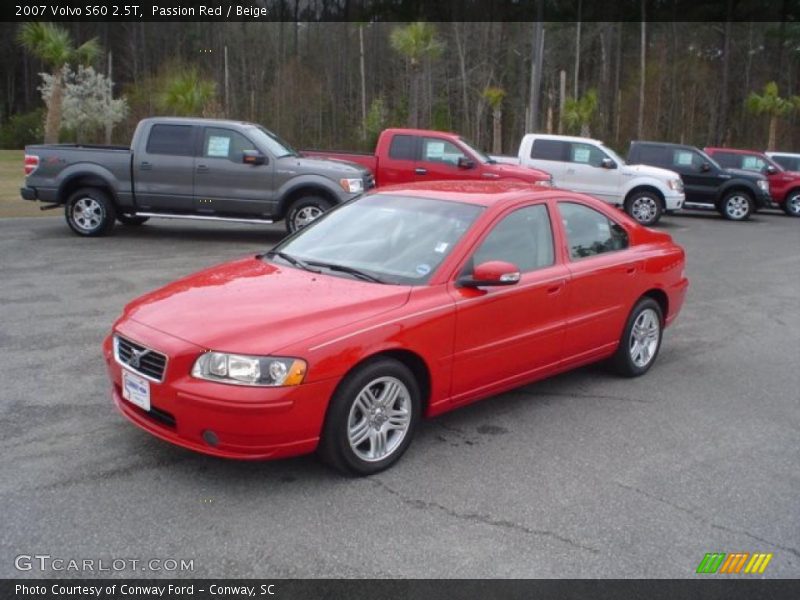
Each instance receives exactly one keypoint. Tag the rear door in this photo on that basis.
(224, 184)
(398, 164)
(163, 172)
(551, 156)
(584, 173)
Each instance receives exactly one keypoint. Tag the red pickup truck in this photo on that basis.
(407, 155)
(784, 186)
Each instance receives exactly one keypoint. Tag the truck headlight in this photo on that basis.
(239, 369)
(675, 184)
(764, 185)
(353, 186)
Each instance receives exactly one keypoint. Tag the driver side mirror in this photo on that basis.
(770, 170)
(253, 157)
(492, 273)
(465, 163)
(608, 163)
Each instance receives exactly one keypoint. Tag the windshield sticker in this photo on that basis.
(218, 146)
(423, 269)
(441, 247)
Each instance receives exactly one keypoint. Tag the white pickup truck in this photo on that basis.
(588, 166)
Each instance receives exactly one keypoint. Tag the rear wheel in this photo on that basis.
(641, 339)
(90, 212)
(128, 220)
(792, 204)
(736, 206)
(371, 419)
(644, 206)
(305, 210)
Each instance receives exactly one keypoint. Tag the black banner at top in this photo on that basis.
(400, 10)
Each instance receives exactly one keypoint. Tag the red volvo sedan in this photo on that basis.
(405, 303)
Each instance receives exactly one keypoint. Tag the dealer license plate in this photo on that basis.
(136, 390)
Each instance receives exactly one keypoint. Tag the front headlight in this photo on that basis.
(763, 184)
(353, 186)
(239, 369)
(675, 185)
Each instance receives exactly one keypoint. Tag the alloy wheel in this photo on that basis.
(87, 214)
(379, 419)
(644, 337)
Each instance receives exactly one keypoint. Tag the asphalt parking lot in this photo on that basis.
(583, 475)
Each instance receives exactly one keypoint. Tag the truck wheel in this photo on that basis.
(126, 220)
(90, 212)
(736, 206)
(641, 339)
(792, 204)
(644, 206)
(371, 418)
(305, 210)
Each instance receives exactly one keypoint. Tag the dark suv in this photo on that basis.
(735, 193)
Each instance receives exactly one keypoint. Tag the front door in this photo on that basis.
(586, 174)
(439, 161)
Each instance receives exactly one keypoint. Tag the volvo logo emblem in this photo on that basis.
(136, 356)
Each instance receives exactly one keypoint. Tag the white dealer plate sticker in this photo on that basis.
(136, 390)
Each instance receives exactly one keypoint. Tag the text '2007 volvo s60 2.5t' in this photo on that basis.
(404, 303)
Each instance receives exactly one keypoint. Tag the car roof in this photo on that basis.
(792, 154)
(200, 121)
(481, 193)
(421, 132)
(562, 138)
(732, 150)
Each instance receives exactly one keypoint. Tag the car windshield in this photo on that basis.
(383, 238)
(482, 156)
(617, 158)
(271, 142)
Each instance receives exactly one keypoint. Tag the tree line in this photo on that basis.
(337, 84)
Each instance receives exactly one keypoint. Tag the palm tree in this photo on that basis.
(494, 96)
(185, 93)
(418, 43)
(579, 113)
(53, 45)
(774, 106)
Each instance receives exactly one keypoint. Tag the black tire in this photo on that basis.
(736, 205)
(90, 212)
(624, 361)
(644, 206)
(335, 446)
(791, 206)
(134, 221)
(304, 210)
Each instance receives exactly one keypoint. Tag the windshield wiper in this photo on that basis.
(296, 262)
(349, 270)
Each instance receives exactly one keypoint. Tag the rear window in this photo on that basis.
(729, 160)
(403, 147)
(549, 150)
(176, 140)
(651, 155)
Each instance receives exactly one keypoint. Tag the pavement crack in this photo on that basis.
(480, 518)
(705, 520)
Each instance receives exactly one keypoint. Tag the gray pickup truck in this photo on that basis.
(182, 168)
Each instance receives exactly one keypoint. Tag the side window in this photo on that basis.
(524, 238)
(590, 232)
(403, 147)
(751, 162)
(652, 155)
(176, 140)
(225, 143)
(549, 150)
(436, 150)
(586, 154)
(729, 160)
(787, 162)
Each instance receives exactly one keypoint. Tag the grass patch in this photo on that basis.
(11, 179)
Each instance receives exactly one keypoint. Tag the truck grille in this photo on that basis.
(146, 362)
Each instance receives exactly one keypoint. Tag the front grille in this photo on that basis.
(138, 358)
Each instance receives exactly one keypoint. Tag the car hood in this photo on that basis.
(251, 306)
(649, 171)
(517, 172)
(323, 166)
(745, 174)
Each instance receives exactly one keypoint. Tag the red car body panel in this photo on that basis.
(390, 171)
(472, 342)
(781, 183)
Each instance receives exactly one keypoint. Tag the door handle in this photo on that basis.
(554, 289)
(630, 270)
(146, 166)
(202, 168)
(421, 171)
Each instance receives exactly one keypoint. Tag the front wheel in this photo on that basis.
(371, 419)
(90, 212)
(645, 207)
(304, 211)
(737, 206)
(641, 339)
(792, 205)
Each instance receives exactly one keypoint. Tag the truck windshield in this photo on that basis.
(382, 238)
(482, 156)
(271, 142)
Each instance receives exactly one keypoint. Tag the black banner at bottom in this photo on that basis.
(399, 589)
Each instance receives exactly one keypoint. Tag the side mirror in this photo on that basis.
(608, 163)
(770, 170)
(253, 157)
(465, 163)
(705, 167)
(492, 273)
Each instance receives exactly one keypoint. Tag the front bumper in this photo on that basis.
(218, 419)
(674, 201)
